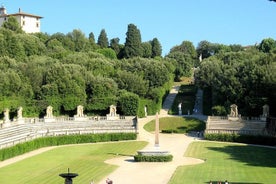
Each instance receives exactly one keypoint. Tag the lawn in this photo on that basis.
(87, 160)
(178, 124)
(236, 163)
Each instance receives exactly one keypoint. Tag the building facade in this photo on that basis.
(29, 23)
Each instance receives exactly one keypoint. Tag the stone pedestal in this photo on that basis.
(109, 117)
(80, 118)
(49, 119)
(232, 118)
(263, 118)
(20, 120)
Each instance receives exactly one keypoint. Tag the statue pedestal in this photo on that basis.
(6, 124)
(263, 118)
(20, 120)
(80, 118)
(49, 119)
(108, 117)
(180, 112)
(232, 118)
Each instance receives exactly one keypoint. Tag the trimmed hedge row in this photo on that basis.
(157, 158)
(240, 138)
(22, 148)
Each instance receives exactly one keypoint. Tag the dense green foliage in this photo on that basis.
(22, 148)
(245, 77)
(249, 139)
(156, 158)
(185, 96)
(224, 161)
(176, 125)
(67, 70)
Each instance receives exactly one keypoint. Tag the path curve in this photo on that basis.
(148, 172)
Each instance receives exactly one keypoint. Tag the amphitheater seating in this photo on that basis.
(223, 125)
(34, 128)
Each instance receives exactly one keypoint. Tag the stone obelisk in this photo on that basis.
(156, 142)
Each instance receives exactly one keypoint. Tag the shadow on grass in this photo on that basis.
(127, 160)
(250, 155)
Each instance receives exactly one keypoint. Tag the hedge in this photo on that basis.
(25, 147)
(241, 138)
(156, 158)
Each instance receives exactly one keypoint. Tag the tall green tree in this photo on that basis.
(102, 39)
(133, 44)
(156, 48)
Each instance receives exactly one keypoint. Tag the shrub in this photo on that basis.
(219, 111)
(151, 158)
(241, 138)
(22, 148)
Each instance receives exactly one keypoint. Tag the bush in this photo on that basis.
(22, 148)
(219, 111)
(241, 138)
(156, 158)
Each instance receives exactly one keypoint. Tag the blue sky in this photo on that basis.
(244, 22)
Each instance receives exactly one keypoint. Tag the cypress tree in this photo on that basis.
(102, 39)
(133, 44)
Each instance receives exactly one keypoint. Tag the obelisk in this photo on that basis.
(156, 142)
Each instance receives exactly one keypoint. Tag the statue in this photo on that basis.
(112, 110)
(265, 110)
(112, 113)
(146, 112)
(49, 112)
(19, 112)
(6, 115)
(180, 109)
(80, 111)
(234, 110)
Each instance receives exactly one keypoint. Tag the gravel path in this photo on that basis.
(152, 173)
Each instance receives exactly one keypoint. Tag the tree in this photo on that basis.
(186, 47)
(156, 48)
(133, 44)
(147, 49)
(12, 24)
(79, 40)
(267, 45)
(205, 49)
(102, 39)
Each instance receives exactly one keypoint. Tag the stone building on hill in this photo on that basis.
(29, 23)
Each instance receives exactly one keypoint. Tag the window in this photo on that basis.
(23, 23)
(37, 24)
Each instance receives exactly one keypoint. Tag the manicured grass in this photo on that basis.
(177, 124)
(236, 163)
(87, 160)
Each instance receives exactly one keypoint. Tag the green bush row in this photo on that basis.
(248, 139)
(169, 131)
(22, 148)
(157, 158)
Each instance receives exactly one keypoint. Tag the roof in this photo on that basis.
(21, 14)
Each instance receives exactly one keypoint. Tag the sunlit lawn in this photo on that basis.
(86, 160)
(179, 124)
(224, 161)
